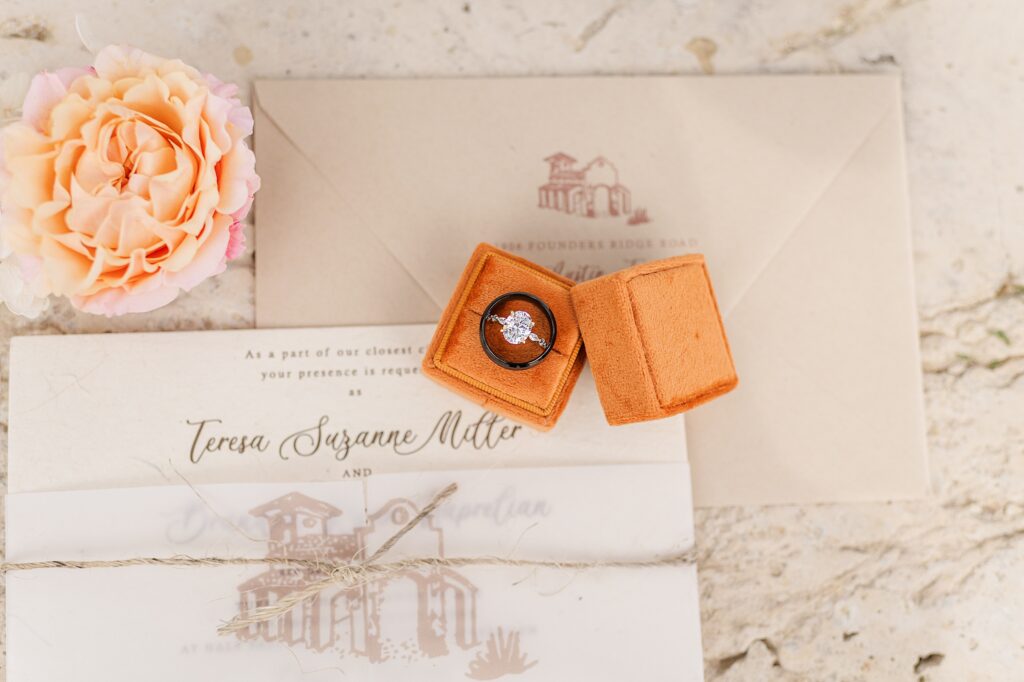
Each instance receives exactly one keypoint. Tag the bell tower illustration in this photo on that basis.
(592, 191)
(418, 613)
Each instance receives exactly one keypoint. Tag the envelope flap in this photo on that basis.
(828, 351)
(769, 149)
(750, 155)
(356, 279)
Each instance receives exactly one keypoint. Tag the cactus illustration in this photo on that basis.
(501, 656)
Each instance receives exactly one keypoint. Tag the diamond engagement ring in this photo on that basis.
(517, 329)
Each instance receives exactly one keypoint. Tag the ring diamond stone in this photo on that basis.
(517, 328)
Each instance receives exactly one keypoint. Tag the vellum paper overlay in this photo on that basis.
(425, 623)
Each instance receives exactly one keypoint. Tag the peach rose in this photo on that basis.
(123, 184)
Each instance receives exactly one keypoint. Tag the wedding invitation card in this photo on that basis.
(318, 446)
(96, 411)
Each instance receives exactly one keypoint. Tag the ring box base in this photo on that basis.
(455, 358)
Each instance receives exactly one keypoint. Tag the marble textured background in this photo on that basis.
(932, 590)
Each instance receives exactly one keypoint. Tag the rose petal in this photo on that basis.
(209, 259)
(237, 170)
(16, 292)
(44, 92)
(115, 62)
(236, 245)
(122, 300)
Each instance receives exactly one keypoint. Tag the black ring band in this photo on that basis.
(500, 361)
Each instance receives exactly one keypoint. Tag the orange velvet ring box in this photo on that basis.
(653, 334)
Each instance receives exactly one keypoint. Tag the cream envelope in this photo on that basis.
(794, 187)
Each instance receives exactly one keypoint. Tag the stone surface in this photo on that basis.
(931, 590)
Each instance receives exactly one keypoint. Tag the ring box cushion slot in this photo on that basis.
(655, 339)
(455, 358)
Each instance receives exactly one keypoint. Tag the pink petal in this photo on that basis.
(118, 61)
(240, 116)
(123, 300)
(44, 93)
(236, 244)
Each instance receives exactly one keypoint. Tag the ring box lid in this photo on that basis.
(655, 339)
